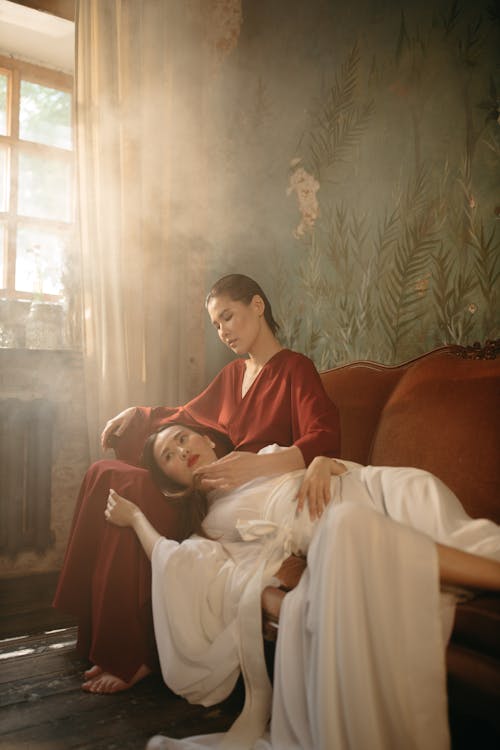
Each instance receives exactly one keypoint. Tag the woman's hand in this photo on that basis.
(316, 485)
(230, 471)
(120, 511)
(117, 426)
(123, 513)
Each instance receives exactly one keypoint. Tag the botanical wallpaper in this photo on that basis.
(346, 155)
(354, 150)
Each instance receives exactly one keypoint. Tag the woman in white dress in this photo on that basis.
(360, 654)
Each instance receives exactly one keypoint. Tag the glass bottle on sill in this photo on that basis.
(44, 326)
(13, 314)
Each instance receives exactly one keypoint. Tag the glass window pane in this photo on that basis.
(4, 178)
(4, 82)
(39, 261)
(3, 251)
(44, 187)
(45, 115)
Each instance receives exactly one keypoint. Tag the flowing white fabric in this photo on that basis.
(360, 657)
(371, 655)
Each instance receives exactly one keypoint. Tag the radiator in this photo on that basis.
(25, 474)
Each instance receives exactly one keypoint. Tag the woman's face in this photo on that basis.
(178, 451)
(237, 323)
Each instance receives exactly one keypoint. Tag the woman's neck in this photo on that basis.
(265, 348)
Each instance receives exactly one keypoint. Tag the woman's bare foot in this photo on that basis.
(94, 671)
(106, 683)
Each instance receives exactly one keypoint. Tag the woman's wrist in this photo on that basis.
(337, 467)
(288, 459)
(136, 518)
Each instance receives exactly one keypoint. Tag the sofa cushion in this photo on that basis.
(360, 391)
(443, 416)
(474, 697)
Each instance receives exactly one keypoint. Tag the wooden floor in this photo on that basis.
(42, 706)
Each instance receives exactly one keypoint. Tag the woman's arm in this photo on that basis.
(307, 415)
(116, 426)
(316, 484)
(293, 407)
(315, 417)
(122, 512)
(239, 467)
(127, 432)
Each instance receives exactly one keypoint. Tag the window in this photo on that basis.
(38, 272)
(36, 182)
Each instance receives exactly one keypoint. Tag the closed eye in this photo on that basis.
(225, 315)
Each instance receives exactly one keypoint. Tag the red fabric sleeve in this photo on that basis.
(202, 411)
(315, 418)
(128, 447)
(286, 405)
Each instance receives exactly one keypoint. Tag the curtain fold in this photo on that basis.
(139, 66)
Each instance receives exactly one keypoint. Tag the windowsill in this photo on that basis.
(62, 350)
(39, 349)
(36, 325)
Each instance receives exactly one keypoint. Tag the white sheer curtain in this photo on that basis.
(138, 84)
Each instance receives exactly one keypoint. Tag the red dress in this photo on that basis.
(106, 577)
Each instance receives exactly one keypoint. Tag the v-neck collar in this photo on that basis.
(257, 377)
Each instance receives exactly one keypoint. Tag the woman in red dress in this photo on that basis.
(273, 395)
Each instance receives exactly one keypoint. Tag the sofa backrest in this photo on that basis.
(360, 390)
(438, 412)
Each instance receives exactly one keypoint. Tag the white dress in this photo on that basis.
(360, 654)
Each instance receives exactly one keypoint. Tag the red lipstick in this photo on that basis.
(192, 459)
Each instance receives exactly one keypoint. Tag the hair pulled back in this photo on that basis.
(241, 288)
(191, 501)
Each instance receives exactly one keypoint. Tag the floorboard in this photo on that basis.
(27, 605)
(42, 705)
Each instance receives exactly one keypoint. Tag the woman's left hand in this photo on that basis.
(228, 472)
(119, 510)
(316, 485)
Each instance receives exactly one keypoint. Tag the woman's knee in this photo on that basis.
(102, 468)
(109, 471)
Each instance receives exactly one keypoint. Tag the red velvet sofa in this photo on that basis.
(439, 412)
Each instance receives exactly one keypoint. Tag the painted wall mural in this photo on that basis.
(357, 154)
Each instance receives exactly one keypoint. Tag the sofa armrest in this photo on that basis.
(272, 597)
(290, 572)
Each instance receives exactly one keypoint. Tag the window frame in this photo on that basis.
(18, 70)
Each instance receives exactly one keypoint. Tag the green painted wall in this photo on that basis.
(355, 154)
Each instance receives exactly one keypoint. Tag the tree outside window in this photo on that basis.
(36, 186)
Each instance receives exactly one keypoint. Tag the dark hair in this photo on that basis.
(241, 288)
(191, 501)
